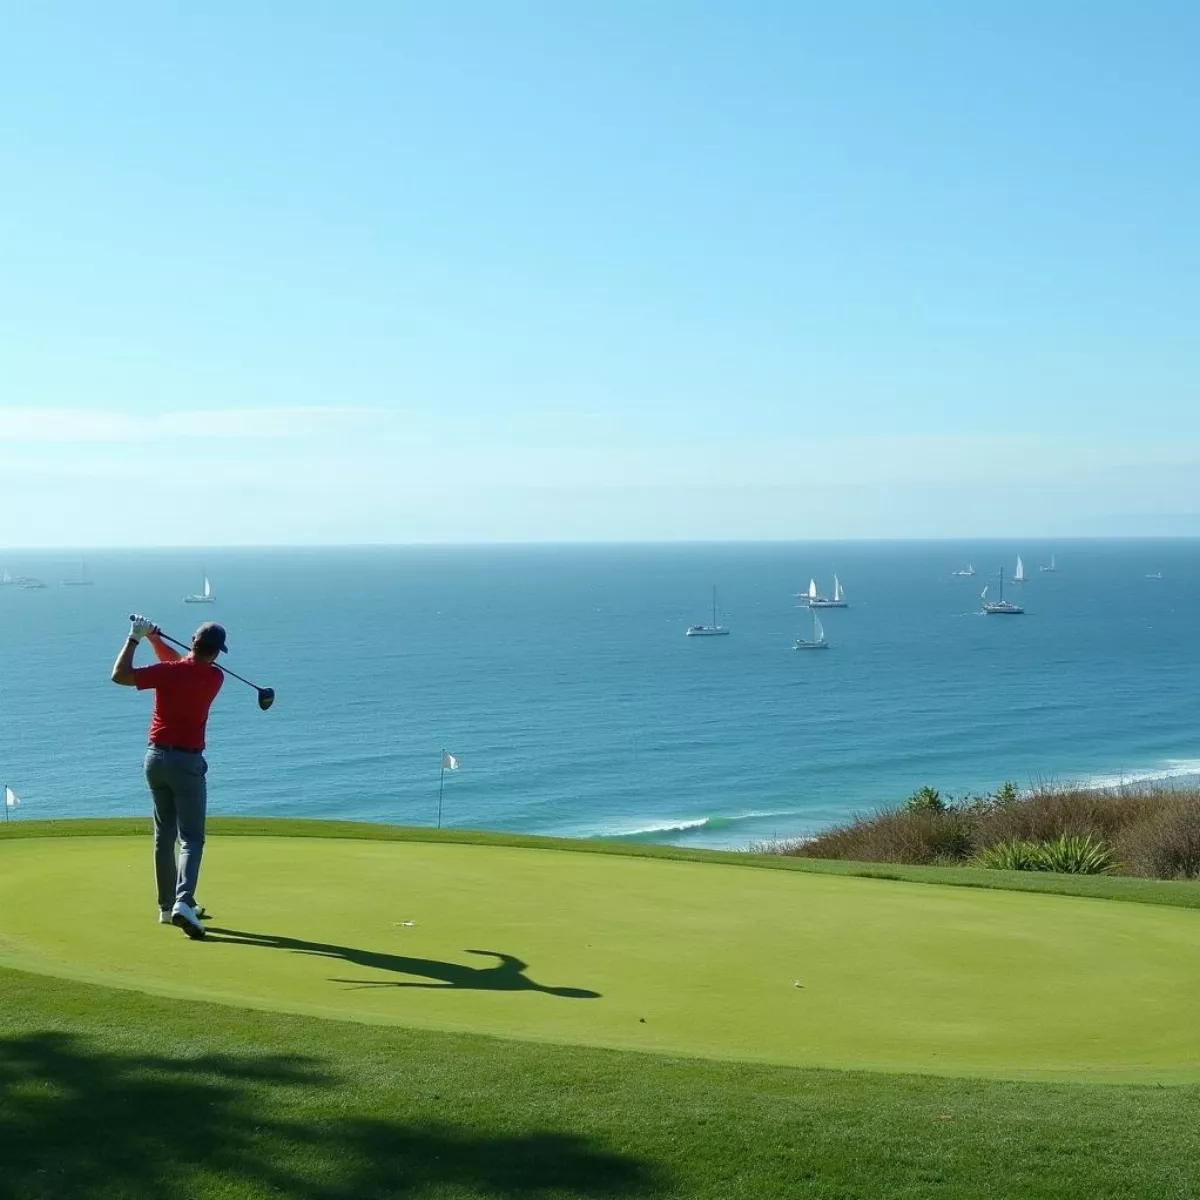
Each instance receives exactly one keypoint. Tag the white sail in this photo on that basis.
(983, 594)
(818, 629)
(812, 589)
(837, 589)
(202, 597)
(1019, 577)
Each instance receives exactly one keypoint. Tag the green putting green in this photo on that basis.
(719, 961)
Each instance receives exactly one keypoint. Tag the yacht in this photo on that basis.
(1001, 607)
(202, 597)
(1050, 570)
(23, 581)
(967, 572)
(713, 630)
(818, 638)
(1019, 575)
(838, 601)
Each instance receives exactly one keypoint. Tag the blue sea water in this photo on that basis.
(561, 678)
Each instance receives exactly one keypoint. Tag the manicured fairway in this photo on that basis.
(112, 1095)
(686, 958)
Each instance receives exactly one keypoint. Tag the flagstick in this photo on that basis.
(441, 787)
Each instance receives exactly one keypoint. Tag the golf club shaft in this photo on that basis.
(166, 637)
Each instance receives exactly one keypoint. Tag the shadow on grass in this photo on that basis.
(506, 975)
(76, 1122)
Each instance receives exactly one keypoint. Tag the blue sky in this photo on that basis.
(541, 271)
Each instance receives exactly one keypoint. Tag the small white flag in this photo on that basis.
(449, 762)
(11, 799)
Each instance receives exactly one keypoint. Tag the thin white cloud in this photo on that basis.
(75, 426)
(364, 451)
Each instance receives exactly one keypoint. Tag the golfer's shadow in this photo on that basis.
(506, 975)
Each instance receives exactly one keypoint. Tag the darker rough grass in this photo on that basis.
(109, 1095)
(1153, 832)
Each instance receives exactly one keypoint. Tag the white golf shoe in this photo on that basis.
(164, 916)
(184, 917)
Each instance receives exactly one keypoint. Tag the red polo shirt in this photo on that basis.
(184, 690)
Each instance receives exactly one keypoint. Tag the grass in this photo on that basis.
(108, 1095)
(1176, 893)
(110, 1092)
(629, 952)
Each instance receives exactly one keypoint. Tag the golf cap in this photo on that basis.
(210, 637)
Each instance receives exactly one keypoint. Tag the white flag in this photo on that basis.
(449, 762)
(11, 799)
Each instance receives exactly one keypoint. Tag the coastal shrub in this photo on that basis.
(925, 799)
(897, 835)
(1043, 815)
(1070, 854)
(1006, 794)
(1143, 831)
(952, 840)
(1015, 855)
(1167, 844)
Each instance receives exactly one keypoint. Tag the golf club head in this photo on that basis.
(266, 697)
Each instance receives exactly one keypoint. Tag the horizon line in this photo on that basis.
(599, 542)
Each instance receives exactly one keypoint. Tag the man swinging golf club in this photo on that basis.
(184, 688)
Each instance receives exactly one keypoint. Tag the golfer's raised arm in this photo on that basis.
(162, 651)
(122, 671)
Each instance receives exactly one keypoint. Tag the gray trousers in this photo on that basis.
(177, 783)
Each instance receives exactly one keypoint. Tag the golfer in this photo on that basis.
(184, 688)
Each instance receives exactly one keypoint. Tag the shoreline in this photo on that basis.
(737, 831)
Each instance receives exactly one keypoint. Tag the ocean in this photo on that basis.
(561, 679)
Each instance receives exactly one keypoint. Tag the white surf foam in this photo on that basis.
(1173, 769)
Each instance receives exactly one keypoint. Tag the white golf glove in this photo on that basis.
(139, 627)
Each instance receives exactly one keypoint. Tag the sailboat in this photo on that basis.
(23, 581)
(1051, 568)
(818, 638)
(204, 597)
(838, 601)
(807, 597)
(966, 572)
(1019, 575)
(82, 581)
(713, 630)
(1001, 607)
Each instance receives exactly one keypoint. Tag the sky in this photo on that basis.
(315, 273)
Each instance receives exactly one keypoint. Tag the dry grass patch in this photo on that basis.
(1146, 831)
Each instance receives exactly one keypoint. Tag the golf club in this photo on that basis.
(266, 696)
